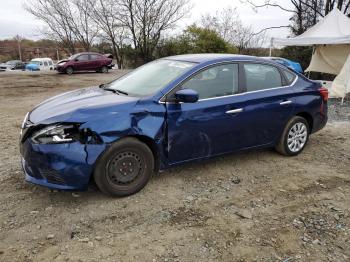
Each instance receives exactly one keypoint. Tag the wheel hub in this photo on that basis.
(124, 168)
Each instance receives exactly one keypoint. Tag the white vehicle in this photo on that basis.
(42, 64)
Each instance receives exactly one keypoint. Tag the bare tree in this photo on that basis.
(82, 24)
(147, 20)
(106, 15)
(67, 21)
(230, 27)
(52, 13)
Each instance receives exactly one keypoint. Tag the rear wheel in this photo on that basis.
(104, 69)
(69, 70)
(125, 168)
(294, 137)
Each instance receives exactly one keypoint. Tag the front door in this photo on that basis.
(82, 62)
(210, 126)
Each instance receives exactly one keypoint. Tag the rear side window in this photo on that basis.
(289, 76)
(216, 81)
(261, 76)
(95, 57)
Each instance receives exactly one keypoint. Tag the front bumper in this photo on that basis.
(59, 166)
(60, 69)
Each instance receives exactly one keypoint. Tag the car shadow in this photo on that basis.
(187, 171)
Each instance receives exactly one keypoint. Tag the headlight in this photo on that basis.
(25, 120)
(56, 134)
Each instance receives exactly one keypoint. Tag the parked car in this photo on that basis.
(12, 65)
(40, 64)
(288, 63)
(165, 113)
(85, 62)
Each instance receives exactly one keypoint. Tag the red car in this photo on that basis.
(85, 62)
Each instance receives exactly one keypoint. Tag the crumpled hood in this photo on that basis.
(80, 106)
(62, 62)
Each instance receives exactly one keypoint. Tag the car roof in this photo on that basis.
(88, 53)
(41, 59)
(203, 58)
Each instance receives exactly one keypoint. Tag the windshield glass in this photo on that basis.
(73, 56)
(11, 62)
(150, 78)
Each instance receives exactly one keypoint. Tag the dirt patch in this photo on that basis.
(255, 206)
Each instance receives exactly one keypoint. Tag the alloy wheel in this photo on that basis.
(297, 137)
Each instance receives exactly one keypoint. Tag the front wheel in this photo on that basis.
(294, 137)
(125, 168)
(69, 70)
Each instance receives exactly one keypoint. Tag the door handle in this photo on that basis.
(235, 111)
(285, 102)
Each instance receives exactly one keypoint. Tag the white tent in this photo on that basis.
(331, 36)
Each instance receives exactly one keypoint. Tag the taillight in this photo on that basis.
(324, 93)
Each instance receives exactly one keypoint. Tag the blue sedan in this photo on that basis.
(165, 113)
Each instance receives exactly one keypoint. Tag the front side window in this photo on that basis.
(261, 76)
(45, 63)
(216, 81)
(150, 78)
(83, 58)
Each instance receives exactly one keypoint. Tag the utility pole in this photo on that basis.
(19, 50)
(19, 39)
(271, 45)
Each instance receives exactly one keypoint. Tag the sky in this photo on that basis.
(14, 20)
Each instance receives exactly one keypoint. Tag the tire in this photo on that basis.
(69, 70)
(125, 168)
(297, 130)
(104, 69)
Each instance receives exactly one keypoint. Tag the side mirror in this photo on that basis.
(187, 96)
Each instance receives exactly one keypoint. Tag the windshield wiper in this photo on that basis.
(121, 92)
(103, 86)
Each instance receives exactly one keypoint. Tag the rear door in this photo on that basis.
(268, 102)
(95, 61)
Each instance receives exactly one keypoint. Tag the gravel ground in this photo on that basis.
(255, 206)
(338, 111)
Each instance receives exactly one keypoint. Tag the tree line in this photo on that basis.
(140, 30)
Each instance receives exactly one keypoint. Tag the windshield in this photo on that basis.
(11, 62)
(150, 78)
(73, 56)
